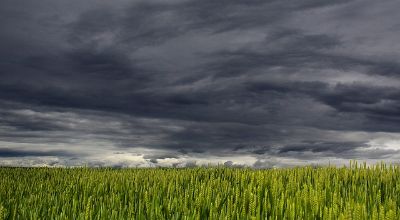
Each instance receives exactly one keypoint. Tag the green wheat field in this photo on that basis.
(352, 192)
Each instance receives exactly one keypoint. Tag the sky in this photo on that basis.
(180, 83)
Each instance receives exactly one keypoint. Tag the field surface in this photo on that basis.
(355, 192)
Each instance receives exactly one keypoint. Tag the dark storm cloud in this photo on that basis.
(5, 152)
(375, 102)
(335, 147)
(295, 50)
(309, 149)
(197, 79)
(154, 22)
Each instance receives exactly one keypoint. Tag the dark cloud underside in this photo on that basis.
(184, 82)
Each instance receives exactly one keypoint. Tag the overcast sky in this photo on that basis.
(191, 82)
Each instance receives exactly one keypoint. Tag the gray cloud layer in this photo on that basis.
(149, 83)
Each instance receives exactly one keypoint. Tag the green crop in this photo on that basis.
(355, 192)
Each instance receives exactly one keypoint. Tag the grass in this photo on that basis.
(355, 192)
